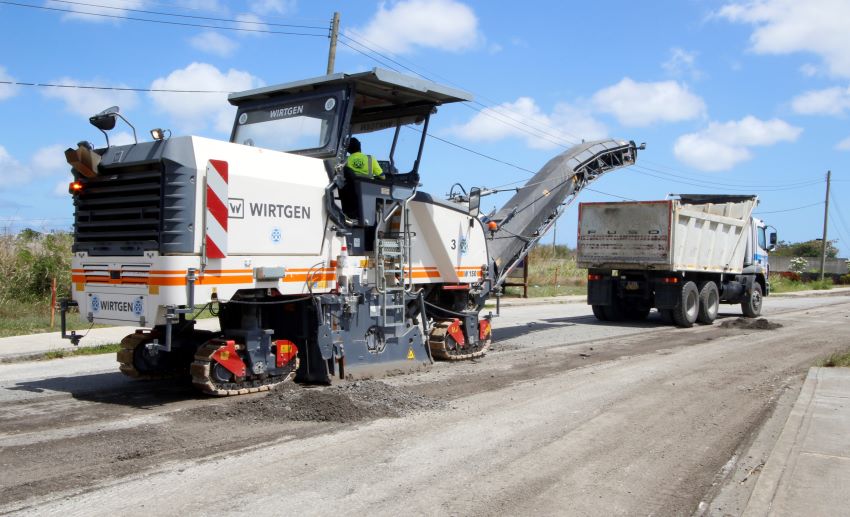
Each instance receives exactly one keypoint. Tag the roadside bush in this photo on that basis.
(790, 275)
(798, 265)
(29, 261)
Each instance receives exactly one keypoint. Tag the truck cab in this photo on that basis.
(756, 257)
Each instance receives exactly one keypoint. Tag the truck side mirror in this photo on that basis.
(772, 241)
(474, 201)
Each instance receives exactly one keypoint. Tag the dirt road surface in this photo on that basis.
(564, 416)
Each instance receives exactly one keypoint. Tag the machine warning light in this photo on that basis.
(75, 187)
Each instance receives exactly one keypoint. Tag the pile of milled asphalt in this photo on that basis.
(348, 402)
(750, 324)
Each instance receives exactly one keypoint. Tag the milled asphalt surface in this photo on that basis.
(807, 472)
(34, 344)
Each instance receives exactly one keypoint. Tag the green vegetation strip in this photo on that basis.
(62, 353)
(837, 359)
(780, 284)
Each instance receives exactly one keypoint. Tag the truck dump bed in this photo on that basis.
(693, 233)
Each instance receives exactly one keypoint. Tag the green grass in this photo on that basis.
(552, 272)
(22, 318)
(85, 350)
(780, 284)
(841, 359)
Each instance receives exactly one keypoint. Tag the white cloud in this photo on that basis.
(809, 70)
(193, 112)
(47, 162)
(722, 145)
(830, 101)
(788, 26)
(12, 172)
(88, 101)
(214, 43)
(512, 120)
(682, 63)
(60, 188)
(7, 90)
(276, 7)
(203, 5)
(843, 145)
(113, 9)
(409, 24)
(251, 22)
(642, 104)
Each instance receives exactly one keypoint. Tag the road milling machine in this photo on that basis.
(312, 270)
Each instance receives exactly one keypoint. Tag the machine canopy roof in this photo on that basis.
(380, 94)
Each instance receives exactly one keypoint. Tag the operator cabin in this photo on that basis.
(318, 118)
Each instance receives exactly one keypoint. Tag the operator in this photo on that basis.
(362, 164)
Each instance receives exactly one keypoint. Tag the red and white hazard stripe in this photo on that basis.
(216, 236)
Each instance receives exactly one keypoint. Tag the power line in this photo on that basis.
(840, 213)
(483, 106)
(609, 194)
(194, 17)
(719, 186)
(164, 22)
(732, 183)
(790, 209)
(114, 88)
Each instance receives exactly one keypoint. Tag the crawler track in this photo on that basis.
(136, 362)
(445, 348)
(204, 378)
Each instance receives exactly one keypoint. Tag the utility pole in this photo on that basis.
(332, 49)
(825, 221)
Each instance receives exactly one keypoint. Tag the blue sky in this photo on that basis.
(730, 96)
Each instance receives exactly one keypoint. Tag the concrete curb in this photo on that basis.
(809, 467)
(22, 347)
(836, 291)
(512, 302)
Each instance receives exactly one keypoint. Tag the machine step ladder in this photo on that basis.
(392, 262)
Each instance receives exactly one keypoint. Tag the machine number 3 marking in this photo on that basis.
(454, 244)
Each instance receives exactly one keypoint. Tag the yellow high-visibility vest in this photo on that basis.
(365, 165)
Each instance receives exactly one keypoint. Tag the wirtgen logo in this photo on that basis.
(135, 307)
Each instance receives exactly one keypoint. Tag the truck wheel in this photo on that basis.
(751, 306)
(685, 313)
(599, 312)
(709, 302)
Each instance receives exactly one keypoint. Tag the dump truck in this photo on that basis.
(683, 256)
(313, 270)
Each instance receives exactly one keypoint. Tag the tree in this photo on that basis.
(810, 248)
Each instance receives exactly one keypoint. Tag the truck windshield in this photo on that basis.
(292, 126)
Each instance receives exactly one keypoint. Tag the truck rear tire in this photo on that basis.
(709, 302)
(599, 312)
(751, 306)
(686, 311)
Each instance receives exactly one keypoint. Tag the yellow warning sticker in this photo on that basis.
(410, 355)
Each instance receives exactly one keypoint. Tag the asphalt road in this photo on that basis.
(564, 416)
